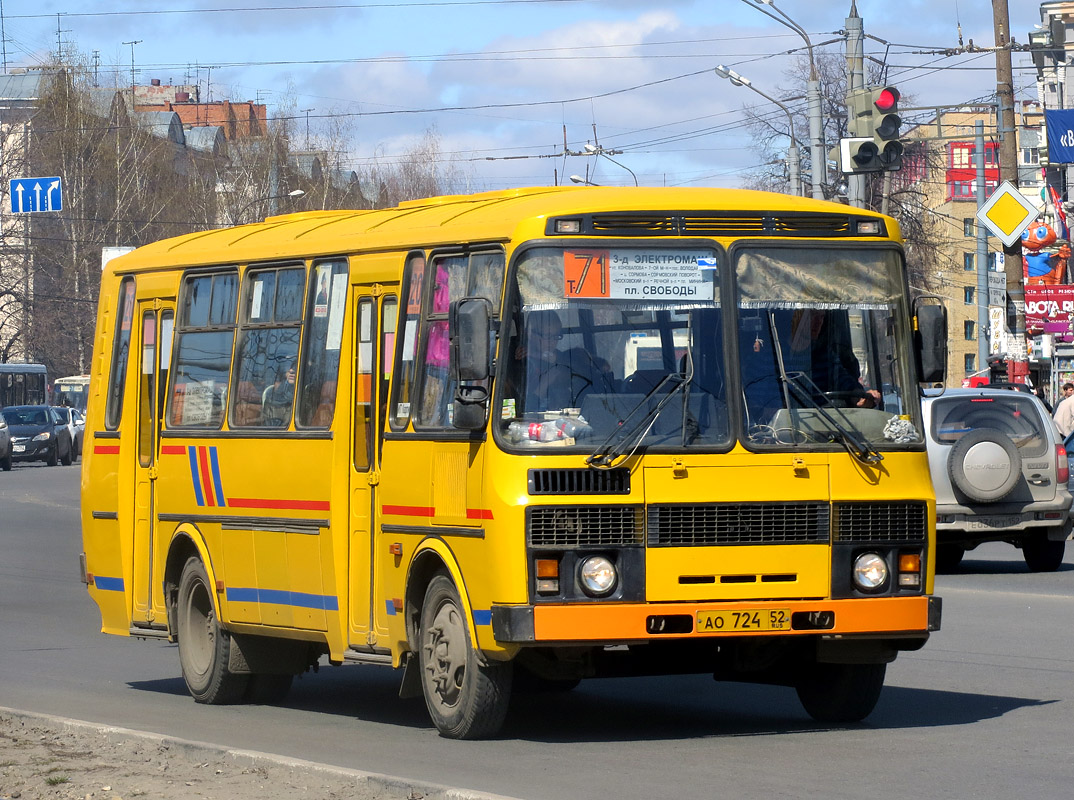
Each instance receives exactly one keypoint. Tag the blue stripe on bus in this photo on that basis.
(482, 617)
(108, 584)
(324, 602)
(192, 451)
(216, 478)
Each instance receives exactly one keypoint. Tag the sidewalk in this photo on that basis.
(43, 756)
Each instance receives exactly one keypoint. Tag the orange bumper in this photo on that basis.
(598, 623)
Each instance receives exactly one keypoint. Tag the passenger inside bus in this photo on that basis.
(277, 398)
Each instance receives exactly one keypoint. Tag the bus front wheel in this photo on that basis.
(466, 699)
(841, 693)
(204, 647)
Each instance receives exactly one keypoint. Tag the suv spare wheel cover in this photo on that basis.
(985, 465)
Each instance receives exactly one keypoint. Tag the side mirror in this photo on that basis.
(468, 331)
(930, 340)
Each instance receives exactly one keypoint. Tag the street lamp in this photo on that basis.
(583, 181)
(792, 151)
(597, 150)
(294, 195)
(816, 121)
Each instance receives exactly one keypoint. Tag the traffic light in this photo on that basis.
(886, 122)
(860, 113)
(859, 154)
(873, 125)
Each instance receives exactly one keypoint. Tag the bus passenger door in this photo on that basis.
(155, 322)
(364, 472)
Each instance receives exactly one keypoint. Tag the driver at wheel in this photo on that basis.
(540, 375)
(827, 359)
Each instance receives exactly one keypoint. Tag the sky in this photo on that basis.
(503, 83)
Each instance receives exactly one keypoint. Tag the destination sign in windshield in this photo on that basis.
(639, 274)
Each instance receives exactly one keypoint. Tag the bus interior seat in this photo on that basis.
(247, 404)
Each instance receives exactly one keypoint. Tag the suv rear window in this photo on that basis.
(1017, 417)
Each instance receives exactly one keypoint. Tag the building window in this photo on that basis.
(967, 295)
(961, 155)
(967, 262)
(992, 261)
(967, 327)
(970, 363)
(967, 226)
(1030, 155)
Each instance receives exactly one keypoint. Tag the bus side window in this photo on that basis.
(363, 384)
(204, 336)
(120, 354)
(407, 344)
(266, 360)
(325, 308)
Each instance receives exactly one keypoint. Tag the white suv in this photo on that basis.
(1000, 473)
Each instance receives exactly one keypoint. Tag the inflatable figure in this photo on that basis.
(1043, 268)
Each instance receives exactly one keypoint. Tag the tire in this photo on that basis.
(466, 699)
(840, 693)
(985, 465)
(52, 459)
(948, 557)
(5, 464)
(204, 647)
(268, 689)
(68, 457)
(1043, 554)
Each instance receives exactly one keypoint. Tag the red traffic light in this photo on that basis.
(887, 99)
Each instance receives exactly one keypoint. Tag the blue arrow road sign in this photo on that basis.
(35, 194)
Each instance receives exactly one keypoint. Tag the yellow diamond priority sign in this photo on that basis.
(1007, 213)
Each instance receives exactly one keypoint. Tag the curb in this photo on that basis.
(253, 758)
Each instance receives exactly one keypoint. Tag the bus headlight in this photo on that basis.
(870, 572)
(598, 576)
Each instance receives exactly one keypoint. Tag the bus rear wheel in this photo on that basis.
(466, 699)
(841, 693)
(204, 647)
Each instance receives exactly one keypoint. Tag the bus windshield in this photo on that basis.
(822, 348)
(644, 354)
(589, 352)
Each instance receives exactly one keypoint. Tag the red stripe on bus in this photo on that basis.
(206, 480)
(408, 511)
(292, 505)
(479, 513)
(172, 450)
(106, 449)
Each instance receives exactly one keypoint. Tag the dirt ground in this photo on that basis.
(49, 759)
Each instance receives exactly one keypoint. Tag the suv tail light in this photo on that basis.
(1062, 466)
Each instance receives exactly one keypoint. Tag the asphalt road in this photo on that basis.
(983, 711)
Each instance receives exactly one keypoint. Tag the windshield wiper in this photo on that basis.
(803, 387)
(630, 435)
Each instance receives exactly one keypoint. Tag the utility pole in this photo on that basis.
(1017, 361)
(856, 81)
(982, 249)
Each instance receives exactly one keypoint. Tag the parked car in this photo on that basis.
(1000, 473)
(38, 434)
(67, 416)
(5, 446)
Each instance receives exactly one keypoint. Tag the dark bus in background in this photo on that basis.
(23, 384)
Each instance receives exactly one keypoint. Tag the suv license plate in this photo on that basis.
(18, 448)
(997, 521)
(750, 619)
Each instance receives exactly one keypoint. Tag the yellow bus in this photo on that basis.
(518, 438)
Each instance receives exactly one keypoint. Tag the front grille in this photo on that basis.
(716, 223)
(738, 523)
(579, 481)
(881, 522)
(584, 526)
